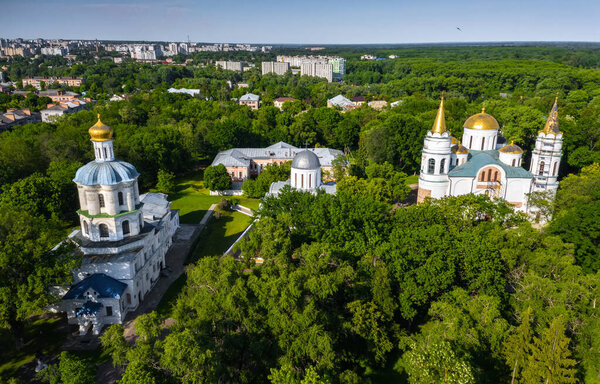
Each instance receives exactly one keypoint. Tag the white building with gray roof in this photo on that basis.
(242, 163)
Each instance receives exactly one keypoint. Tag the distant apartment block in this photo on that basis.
(14, 117)
(51, 113)
(230, 65)
(58, 95)
(36, 81)
(317, 70)
(275, 67)
(339, 67)
(14, 51)
(55, 51)
(251, 100)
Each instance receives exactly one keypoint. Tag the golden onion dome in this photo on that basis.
(511, 148)
(100, 131)
(453, 140)
(460, 149)
(481, 121)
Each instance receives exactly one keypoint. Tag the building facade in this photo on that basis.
(275, 67)
(251, 100)
(36, 81)
(230, 65)
(51, 113)
(243, 163)
(13, 117)
(483, 165)
(124, 238)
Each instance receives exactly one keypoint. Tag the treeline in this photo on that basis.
(460, 290)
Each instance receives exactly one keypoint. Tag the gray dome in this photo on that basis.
(105, 173)
(306, 160)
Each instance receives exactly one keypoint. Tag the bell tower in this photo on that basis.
(435, 159)
(547, 154)
(108, 192)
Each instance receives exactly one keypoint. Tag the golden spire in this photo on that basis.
(482, 109)
(100, 131)
(552, 121)
(439, 125)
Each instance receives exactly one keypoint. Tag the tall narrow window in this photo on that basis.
(555, 170)
(471, 142)
(301, 181)
(482, 176)
(442, 166)
(496, 176)
(105, 153)
(125, 226)
(482, 143)
(103, 230)
(431, 167)
(101, 200)
(309, 180)
(120, 196)
(489, 175)
(513, 162)
(86, 228)
(541, 169)
(295, 180)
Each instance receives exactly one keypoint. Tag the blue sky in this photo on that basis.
(304, 21)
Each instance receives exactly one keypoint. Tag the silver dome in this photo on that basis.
(306, 160)
(105, 173)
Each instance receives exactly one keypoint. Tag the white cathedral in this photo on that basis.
(124, 238)
(482, 165)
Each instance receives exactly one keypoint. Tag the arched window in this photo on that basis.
(541, 169)
(496, 176)
(555, 170)
(513, 162)
(309, 180)
(86, 228)
(302, 181)
(442, 165)
(482, 176)
(471, 142)
(489, 178)
(103, 230)
(101, 200)
(431, 167)
(105, 153)
(120, 196)
(125, 226)
(482, 143)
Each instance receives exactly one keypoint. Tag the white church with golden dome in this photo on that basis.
(124, 238)
(479, 164)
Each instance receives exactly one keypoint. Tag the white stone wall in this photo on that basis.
(311, 177)
(507, 158)
(480, 139)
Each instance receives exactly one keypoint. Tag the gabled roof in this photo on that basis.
(479, 159)
(250, 97)
(104, 285)
(282, 99)
(341, 101)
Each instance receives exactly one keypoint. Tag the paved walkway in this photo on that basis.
(175, 258)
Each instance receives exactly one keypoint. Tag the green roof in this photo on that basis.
(480, 159)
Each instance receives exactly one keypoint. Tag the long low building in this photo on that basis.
(51, 113)
(242, 163)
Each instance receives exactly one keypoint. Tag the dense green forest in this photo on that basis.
(351, 290)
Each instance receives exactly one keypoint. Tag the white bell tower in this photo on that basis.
(435, 159)
(547, 154)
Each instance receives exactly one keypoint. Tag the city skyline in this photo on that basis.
(313, 22)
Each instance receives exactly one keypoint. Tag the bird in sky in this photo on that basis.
(459, 29)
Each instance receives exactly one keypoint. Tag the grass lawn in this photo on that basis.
(412, 179)
(43, 336)
(215, 239)
(193, 200)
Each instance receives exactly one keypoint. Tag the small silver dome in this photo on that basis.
(105, 173)
(306, 160)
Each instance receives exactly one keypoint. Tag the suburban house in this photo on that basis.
(251, 100)
(278, 102)
(340, 102)
(58, 95)
(377, 104)
(242, 163)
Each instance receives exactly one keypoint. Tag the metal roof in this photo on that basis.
(306, 160)
(104, 285)
(105, 173)
(241, 157)
(479, 159)
(250, 97)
